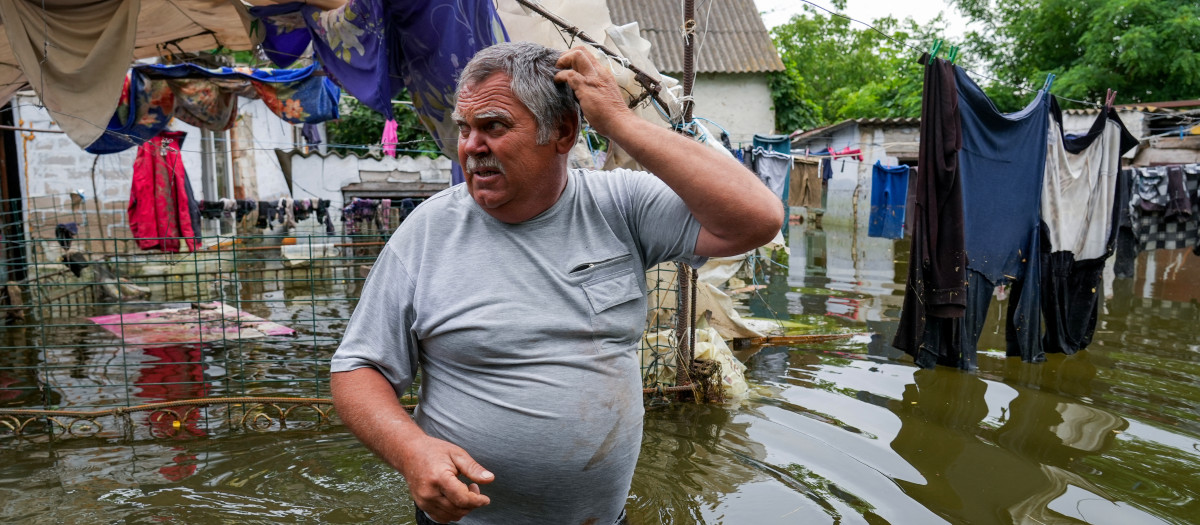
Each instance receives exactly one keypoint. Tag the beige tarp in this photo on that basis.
(74, 54)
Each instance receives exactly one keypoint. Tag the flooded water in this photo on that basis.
(845, 432)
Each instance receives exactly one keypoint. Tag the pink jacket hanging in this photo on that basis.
(158, 200)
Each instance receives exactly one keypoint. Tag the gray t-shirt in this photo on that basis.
(526, 335)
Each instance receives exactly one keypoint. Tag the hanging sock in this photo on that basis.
(389, 139)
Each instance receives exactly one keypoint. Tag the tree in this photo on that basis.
(362, 126)
(1147, 50)
(852, 70)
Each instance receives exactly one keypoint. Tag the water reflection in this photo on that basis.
(1018, 442)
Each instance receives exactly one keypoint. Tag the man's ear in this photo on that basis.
(566, 135)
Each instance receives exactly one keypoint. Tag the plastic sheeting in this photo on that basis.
(200, 323)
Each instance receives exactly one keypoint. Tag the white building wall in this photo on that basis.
(739, 103)
(269, 133)
(316, 176)
(323, 177)
(52, 166)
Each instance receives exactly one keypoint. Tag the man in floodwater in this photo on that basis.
(521, 296)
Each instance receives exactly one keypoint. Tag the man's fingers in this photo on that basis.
(578, 59)
(461, 496)
(567, 77)
(472, 470)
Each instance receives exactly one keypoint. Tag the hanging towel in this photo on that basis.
(777, 143)
(158, 199)
(772, 169)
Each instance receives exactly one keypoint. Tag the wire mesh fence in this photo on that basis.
(230, 331)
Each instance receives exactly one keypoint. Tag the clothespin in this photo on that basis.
(1049, 82)
(953, 54)
(937, 46)
(1110, 98)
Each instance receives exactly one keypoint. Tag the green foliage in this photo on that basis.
(362, 126)
(838, 69)
(794, 108)
(1147, 50)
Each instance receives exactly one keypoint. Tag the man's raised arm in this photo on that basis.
(736, 211)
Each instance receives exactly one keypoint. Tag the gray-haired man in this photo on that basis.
(520, 296)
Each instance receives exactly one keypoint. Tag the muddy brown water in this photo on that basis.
(845, 432)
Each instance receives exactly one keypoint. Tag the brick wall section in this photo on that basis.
(53, 165)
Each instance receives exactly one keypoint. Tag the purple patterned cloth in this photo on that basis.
(375, 48)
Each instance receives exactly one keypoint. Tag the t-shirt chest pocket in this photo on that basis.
(614, 293)
(610, 290)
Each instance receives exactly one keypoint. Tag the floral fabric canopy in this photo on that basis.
(207, 99)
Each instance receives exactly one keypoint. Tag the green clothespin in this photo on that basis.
(953, 54)
(937, 46)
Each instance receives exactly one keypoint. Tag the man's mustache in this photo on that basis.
(483, 162)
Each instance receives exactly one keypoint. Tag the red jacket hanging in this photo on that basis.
(158, 200)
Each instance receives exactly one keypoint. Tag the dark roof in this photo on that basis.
(730, 35)
(877, 122)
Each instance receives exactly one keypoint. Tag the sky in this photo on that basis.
(776, 12)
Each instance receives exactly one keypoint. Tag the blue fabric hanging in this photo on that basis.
(1003, 160)
(889, 190)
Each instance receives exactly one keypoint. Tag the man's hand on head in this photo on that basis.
(432, 469)
(595, 87)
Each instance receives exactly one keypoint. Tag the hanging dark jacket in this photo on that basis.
(936, 285)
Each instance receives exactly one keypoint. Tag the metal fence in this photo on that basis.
(104, 338)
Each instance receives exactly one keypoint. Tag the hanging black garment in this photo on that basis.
(1127, 243)
(211, 209)
(65, 233)
(936, 284)
(1070, 301)
(244, 207)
